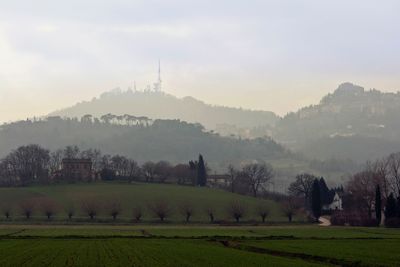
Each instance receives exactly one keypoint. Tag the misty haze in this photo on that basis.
(199, 133)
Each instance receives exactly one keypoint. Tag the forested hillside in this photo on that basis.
(159, 105)
(170, 140)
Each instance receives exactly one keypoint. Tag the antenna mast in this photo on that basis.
(159, 75)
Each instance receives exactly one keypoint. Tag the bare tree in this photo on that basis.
(263, 211)
(27, 207)
(91, 207)
(187, 210)
(55, 160)
(163, 171)
(148, 169)
(160, 209)
(302, 187)
(48, 207)
(28, 163)
(393, 163)
(361, 188)
(290, 208)
(236, 210)
(232, 173)
(210, 211)
(70, 210)
(115, 209)
(6, 210)
(71, 152)
(257, 176)
(137, 213)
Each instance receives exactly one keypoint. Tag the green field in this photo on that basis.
(133, 195)
(183, 245)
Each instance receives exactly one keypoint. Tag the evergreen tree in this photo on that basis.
(390, 208)
(201, 172)
(378, 205)
(316, 199)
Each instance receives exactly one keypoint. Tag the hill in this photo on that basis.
(160, 105)
(170, 140)
(351, 122)
(134, 195)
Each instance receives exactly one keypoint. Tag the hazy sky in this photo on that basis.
(273, 55)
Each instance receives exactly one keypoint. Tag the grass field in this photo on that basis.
(132, 195)
(182, 245)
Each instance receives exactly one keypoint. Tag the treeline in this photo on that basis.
(102, 210)
(33, 164)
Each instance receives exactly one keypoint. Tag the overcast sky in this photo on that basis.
(272, 55)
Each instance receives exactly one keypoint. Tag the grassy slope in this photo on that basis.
(138, 194)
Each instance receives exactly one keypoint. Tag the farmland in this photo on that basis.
(183, 245)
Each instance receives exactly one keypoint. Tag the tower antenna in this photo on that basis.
(159, 75)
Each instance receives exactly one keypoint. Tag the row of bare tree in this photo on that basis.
(160, 209)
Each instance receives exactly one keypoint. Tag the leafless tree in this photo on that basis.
(70, 210)
(236, 210)
(28, 163)
(115, 209)
(232, 173)
(210, 211)
(6, 210)
(71, 152)
(160, 209)
(393, 163)
(148, 169)
(183, 173)
(48, 207)
(187, 210)
(290, 207)
(361, 188)
(27, 207)
(257, 176)
(137, 213)
(55, 160)
(91, 207)
(302, 187)
(263, 211)
(163, 171)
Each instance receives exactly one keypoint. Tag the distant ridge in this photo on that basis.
(159, 105)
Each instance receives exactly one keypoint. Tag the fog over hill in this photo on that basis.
(349, 123)
(159, 105)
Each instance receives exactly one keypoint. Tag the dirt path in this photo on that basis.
(324, 221)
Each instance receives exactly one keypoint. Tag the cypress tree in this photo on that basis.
(316, 199)
(201, 172)
(378, 205)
